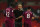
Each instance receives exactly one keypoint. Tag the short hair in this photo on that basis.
(10, 5)
(29, 8)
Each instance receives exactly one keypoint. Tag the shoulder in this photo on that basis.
(31, 12)
(24, 12)
(7, 8)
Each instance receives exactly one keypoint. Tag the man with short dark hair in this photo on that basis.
(28, 15)
(9, 17)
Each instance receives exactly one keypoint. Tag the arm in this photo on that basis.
(12, 15)
(35, 16)
(19, 17)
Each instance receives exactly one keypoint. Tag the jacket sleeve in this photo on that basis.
(12, 15)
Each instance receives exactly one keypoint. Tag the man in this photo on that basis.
(9, 17)
(28, 15)
(18, 12)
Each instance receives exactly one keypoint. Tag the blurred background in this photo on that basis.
(34, 4)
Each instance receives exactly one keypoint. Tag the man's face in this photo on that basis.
(19, 6)
(29, 9)
(10, 6)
